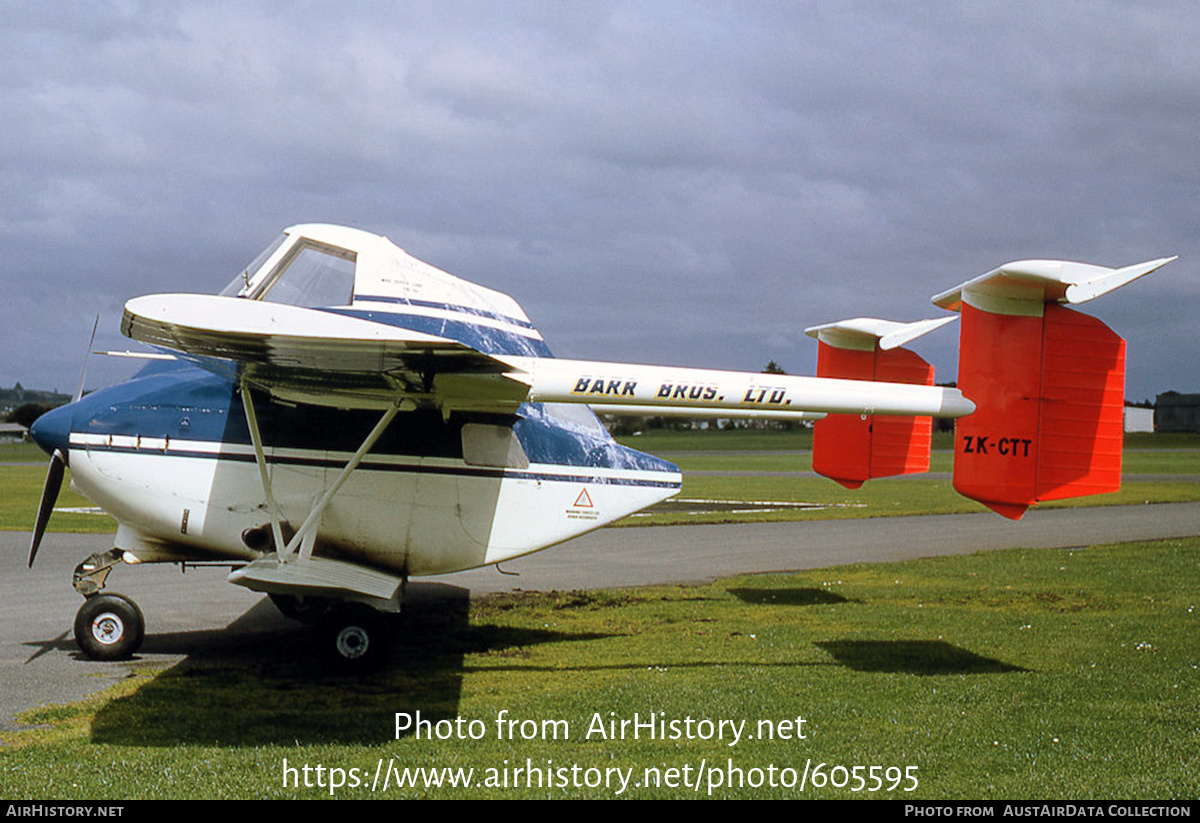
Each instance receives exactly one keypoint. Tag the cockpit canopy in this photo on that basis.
(358, 274)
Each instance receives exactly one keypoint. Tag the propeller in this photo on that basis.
(54, 477)
(58, 462)
(83, 372)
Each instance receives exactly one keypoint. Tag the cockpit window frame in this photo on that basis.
(264, 285)
(245, 283)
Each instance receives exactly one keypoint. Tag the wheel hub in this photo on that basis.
(107, 628)
(352, 642)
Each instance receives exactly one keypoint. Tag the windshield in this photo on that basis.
(312, 277)
(241, 284)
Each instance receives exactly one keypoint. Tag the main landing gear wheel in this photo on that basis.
(357, 636)
(109, 627)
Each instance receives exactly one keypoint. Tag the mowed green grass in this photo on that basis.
(1173, 461)
(21, 453)
(879, 498)
(22, 475)
(1050, 674)
(21, 492)
(1134, 461)
(668, 440)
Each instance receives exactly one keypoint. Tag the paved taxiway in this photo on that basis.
(197, 612)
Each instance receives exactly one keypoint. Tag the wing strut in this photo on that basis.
(315, 515)
(261, 460)
(299, 540)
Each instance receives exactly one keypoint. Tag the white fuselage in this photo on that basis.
(406, 514)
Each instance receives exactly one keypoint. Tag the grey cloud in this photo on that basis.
(689, 182)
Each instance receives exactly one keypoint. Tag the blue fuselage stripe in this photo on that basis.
(368, 465)
(451, 307)
(479, 336)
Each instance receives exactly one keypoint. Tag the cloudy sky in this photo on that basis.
(683, 183)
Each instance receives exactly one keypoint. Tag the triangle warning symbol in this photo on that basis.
(583, 501)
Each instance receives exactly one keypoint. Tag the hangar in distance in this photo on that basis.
(343, 416)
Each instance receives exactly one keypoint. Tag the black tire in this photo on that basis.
(288, 605)
(357, 636)
(311, 611)
(109, 627)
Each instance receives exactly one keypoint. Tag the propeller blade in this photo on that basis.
(54, 477)
(83, 372)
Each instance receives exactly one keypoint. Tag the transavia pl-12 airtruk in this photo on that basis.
(343, 416)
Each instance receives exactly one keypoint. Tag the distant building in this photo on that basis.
(12, 433)
(18, 395)
(1175, 412)
(1138, 419)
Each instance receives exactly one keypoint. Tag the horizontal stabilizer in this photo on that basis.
(867, 333)
(1022, 287)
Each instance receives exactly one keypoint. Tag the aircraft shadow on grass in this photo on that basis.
(924, 657)
(790, 597)
(267, 682)
(278, 688)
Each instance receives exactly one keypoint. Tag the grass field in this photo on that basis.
(1006, 675)
(22, 490)
(1019, 674)
(721, 465)
(667, 440)
(21, 453)
(776, 456)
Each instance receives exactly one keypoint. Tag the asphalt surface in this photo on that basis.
(198, 612)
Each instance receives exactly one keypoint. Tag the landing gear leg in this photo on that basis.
(107, 626)
(91, 575)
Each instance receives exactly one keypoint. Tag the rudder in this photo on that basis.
(852, 449)
(1048, 383)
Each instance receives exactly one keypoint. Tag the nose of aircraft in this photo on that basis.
(53, 429)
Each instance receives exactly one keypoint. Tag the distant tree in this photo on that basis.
(621, 426)
(785, 425)
(27, 413)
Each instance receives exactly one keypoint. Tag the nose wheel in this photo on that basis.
(109, 627)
